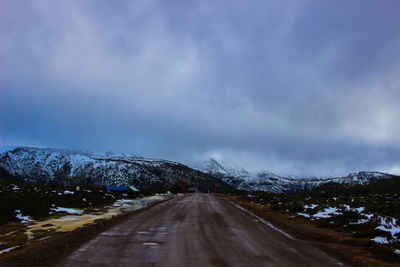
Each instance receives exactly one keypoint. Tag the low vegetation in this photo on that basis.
(367, 212)
(22, 204)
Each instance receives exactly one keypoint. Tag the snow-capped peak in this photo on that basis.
(212, 166)
(268, 181)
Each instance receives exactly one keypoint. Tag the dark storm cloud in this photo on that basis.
(295, 87)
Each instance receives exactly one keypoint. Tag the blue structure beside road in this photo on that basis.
(117, 188)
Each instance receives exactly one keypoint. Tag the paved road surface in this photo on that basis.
(196, 230)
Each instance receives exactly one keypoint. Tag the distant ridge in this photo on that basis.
(270, 182)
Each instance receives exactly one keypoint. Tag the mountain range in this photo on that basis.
(266, 181)
(65, 167)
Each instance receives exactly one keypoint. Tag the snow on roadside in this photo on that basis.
(332, 211)
(24, 219)
(304, 214)
(8, 249)
(76, 219)
(389, 225)
(68, 210)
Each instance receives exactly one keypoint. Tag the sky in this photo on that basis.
(307, 88)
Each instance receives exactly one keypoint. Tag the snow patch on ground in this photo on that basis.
(389, 225)
(304, 214)
(8, 249)
(69, 210)
(360, 221)
(369, 216)
(348, 208)
(24, 219)
(310, 206)
(327, 212)
(360, 209)
(381, 240)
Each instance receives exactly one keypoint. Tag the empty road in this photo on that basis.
(196, 230)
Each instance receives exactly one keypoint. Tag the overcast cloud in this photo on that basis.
(293, 87)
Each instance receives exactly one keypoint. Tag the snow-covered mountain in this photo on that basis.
(269, 182)
(64, 167)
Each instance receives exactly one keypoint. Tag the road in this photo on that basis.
(196, 230)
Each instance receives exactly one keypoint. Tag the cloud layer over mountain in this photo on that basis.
(295, 87)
